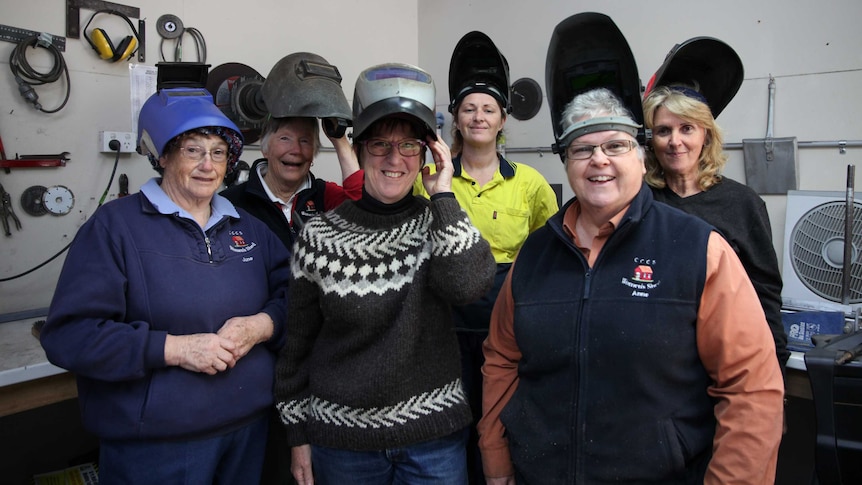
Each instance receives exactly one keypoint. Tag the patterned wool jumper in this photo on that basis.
(371, 360)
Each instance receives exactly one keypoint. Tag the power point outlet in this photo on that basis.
(127, 141)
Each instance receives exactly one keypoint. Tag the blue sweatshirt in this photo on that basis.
(139, 270)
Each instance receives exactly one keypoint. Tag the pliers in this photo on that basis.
(7, 211)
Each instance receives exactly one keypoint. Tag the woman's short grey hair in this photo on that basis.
(596, 103)
(593, 104)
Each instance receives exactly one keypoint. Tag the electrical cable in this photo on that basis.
(200, 45)
(113, 145)
(27, 77)
(66, 247)
(52, 258)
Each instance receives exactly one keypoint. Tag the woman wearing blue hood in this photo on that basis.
(170, 309)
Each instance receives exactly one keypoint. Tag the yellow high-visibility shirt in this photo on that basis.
(516, 202)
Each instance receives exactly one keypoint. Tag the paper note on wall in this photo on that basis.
(142, 79)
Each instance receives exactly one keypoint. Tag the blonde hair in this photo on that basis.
(712, 157)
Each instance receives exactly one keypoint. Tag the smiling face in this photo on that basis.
(603, 184)
(677, 143)
(479, 119)
(389, 178)
(289, 151)
(187, 182)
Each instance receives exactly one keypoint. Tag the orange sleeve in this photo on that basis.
(500, 373)
(737, 350)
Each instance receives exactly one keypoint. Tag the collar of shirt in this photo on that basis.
(285, 206)
(570, 218)
(220, 206)
(506, 169)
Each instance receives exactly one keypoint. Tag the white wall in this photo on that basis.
(350, 34)
(813, 50)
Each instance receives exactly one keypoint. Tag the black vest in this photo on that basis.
(611, 387)
(252, 197)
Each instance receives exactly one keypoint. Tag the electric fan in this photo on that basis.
(814, 251)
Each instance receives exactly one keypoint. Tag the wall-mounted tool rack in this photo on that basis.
(31, 161)
(16, 35)
(73, 19)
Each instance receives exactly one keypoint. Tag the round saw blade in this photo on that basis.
(31, 200)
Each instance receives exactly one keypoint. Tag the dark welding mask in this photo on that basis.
(306, 85)
(478, 66)
(588, 51)
(706, 63)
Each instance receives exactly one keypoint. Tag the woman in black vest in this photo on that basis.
(627, 344)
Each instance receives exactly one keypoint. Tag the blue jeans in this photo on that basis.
(441, 461)
(231, 458)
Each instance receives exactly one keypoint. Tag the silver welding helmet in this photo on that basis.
(393, 89)
(305, 84)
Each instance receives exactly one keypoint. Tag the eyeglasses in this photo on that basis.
(610, 148)
(197, 153)
(408, 147)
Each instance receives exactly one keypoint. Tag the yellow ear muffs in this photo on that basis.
(125, 49)
(101, 43)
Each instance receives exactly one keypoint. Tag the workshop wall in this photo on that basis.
(812, 50)
(352, 35)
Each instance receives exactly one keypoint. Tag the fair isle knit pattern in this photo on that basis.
(371, 360)
(373, 265)
(400, 413)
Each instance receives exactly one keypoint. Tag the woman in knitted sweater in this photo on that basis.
(368, 384)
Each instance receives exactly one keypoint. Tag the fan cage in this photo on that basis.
(816, 240)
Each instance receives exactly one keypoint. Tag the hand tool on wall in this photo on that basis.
(771, 164)
(7, 211)
(30, 161)
(124, 185)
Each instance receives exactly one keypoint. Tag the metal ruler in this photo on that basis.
(16, 35)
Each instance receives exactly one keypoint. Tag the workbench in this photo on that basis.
(27, 379)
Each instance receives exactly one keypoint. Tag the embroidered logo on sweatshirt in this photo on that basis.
(310, 209)
(642, 279)
(238, 243)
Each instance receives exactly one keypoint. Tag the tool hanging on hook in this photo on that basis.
(170, 27)
(7, 211)
(31, 161)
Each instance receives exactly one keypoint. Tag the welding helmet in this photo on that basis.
(706, 63)
(393, 89)
(171, 112)
(305, 84)
(478, 66)
(588, 51)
